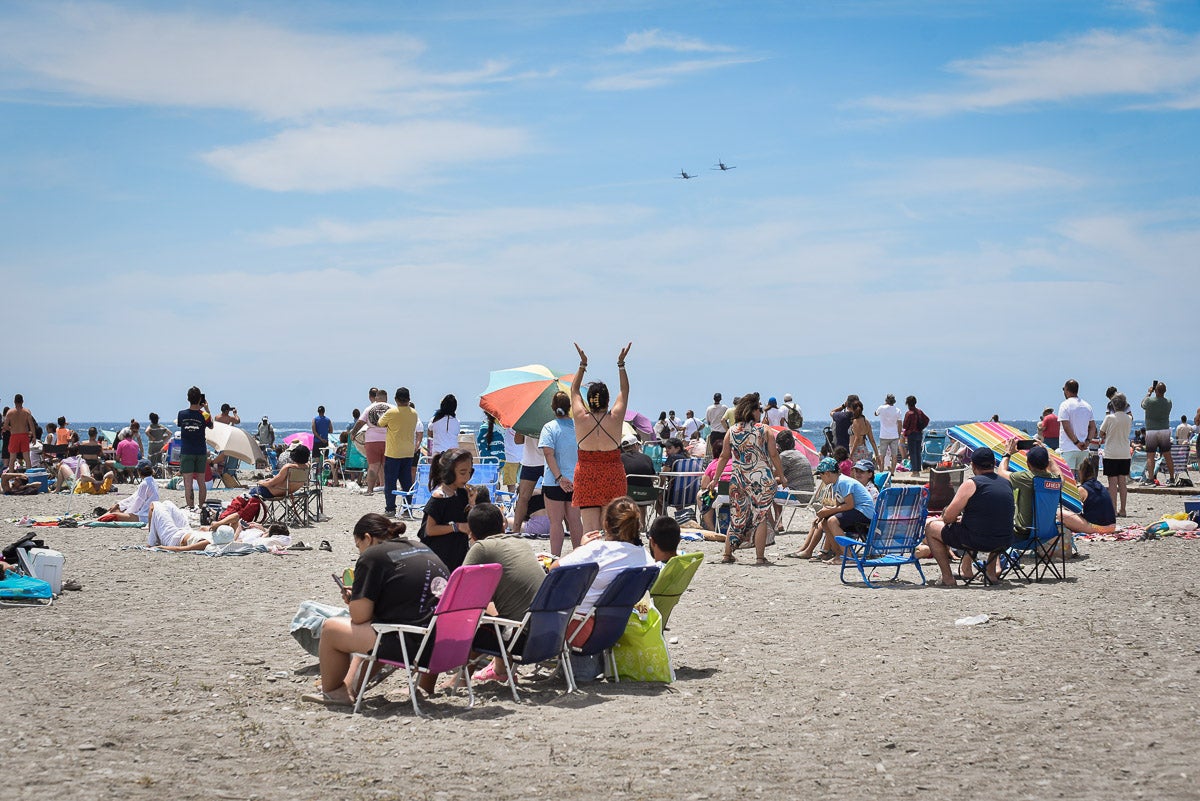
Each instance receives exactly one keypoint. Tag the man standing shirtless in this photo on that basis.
(21, 428)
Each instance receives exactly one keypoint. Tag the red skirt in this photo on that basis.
(599, 478)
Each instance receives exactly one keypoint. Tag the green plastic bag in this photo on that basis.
(641, 653)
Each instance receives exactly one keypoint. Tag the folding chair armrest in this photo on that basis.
(390, 628)
(849, 542)
(499, 621)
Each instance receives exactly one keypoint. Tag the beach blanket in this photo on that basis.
(112, 524)
(1136, 533)
(230, 549)
(65, 521)
(309, 619)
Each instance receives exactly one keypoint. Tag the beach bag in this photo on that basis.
(641, 653)
(15, 587)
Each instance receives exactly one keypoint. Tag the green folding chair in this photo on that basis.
(675, 577)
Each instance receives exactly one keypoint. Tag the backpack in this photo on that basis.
(794, 418)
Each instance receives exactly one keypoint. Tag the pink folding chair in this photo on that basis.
(446, 640)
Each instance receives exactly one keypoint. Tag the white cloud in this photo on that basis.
(1151, 63)
(655, 39)
(651, 77)
(114, 55)
(323, 158)
(451, 228)
(975, 176)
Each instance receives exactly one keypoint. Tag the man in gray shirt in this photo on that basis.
(1158, 429)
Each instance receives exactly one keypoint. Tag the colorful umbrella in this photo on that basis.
(803, 444)
(640, 422)
(303, 436)
(519, 397)
(994, 435)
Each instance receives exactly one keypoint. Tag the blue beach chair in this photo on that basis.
(1042, 539)
(417, 496)
(895, 533)
(610, 615)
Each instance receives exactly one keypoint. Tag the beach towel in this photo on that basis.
(230, 549)
(112, 524)
(309, 619)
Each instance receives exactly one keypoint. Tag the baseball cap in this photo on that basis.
(629, 439)
(827, 465)
(983, 458)
(771, 400)
(865, 464)
(787, 397)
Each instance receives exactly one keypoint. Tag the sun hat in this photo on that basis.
(865, 465)
(827, 465)
(223, 535)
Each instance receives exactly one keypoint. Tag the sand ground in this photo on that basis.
(174, 676)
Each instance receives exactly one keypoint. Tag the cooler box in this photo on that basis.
(1192, 504)
(48, 566)
(38, 475)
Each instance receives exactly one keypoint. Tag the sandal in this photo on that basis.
(322, 697)
(729, 560)
(488, 674)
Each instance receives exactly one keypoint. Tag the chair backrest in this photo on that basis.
(551, 609)
(468, 592)
(487, 474)
(611, 612)
(672, 580)
(421, 495)
(882, 481)
(297, 478)
(655, 452)
(683, 489)
(1047, 498)
(1180, 456)
(53, 452)
(355, 459)
(643, 494)
(90, 452)
(899, 523)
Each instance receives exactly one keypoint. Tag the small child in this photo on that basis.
(664, 539)
(842, 456)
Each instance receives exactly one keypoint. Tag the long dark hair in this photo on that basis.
(449, 408)
(443, 466)
(378, 527)
(491, 427)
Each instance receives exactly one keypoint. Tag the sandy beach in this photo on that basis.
(174, 676)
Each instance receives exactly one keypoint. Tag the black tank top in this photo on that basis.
(990, 510)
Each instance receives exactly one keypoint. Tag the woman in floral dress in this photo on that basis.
(756, 472)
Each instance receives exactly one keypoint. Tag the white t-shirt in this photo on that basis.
(691, 426)
(1115, 428)
(1079, 412)
(775, 416)
(370, 419)
(613, 557)
(512, 451)
(889, 421)
(445, 434)
(532, 455)
(139, 502)
(715, 416)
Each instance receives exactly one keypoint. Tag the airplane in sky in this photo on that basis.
(722, 166)
(685, 176)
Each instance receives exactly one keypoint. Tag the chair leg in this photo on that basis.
(360, 678)
(470, 690)
(564, 659)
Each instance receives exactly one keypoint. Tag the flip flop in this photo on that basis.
(299, 546)
(324, 698)
(325, 546)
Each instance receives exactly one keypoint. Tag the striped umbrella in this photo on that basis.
(519, 397)
(994, 435)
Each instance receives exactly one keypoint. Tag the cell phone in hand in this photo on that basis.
(1025, 444)
(338, 580)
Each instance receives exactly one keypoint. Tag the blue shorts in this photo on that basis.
(854, 521)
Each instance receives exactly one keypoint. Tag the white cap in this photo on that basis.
(787, 397)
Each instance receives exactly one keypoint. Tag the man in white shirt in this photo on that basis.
(890, 419)
(691, 426)
(715, 417)
(1078, 425)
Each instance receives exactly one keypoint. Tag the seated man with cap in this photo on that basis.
(1038, 459)
(979, 519)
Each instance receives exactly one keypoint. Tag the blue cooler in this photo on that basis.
(1192, 505)
(39, 476)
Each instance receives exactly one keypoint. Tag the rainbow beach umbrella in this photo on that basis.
(994, 435)
(519, 397)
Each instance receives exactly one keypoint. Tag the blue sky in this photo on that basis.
(287, 202)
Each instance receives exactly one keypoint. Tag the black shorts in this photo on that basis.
(389, 647)
(555, 493)
(854, 521)
(1116, 467)
(961, 538)
(530, 473)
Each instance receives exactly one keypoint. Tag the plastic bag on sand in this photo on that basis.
(973, 620)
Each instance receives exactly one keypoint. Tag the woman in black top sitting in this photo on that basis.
(1098, 508)
(444, 527)
(396, 580)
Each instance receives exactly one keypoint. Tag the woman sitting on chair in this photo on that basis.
(396, 580)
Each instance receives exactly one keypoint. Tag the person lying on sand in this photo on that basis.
(135, 508)
(17, 484)
(170, 530)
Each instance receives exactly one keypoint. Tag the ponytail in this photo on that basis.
(377, 527)
(623, 521)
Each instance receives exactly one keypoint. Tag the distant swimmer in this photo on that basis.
(722, 166)
(685, 176)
